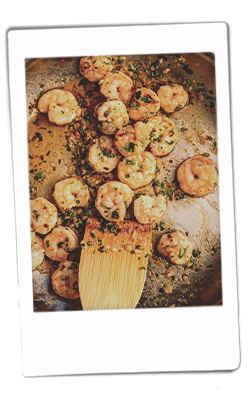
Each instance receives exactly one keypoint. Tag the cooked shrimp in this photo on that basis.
(70, 193)
(59, 243)
(43, 215)
(149, 209)
(175, 247)
(132, 139)
(61, 106)
(117, 86)
(144, 105)
(197, 176)
(65, 280)
(112, 115)
(37, 250)
(164, 135)
(172, 98)
(113, 199)
(137, 171)
(103, 156)
(95, 68)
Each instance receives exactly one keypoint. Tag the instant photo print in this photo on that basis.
(124, 198)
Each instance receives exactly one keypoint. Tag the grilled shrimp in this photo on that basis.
(197, 176)
(163, 135)
(172, 98)
(113, 199)
(65, 280)
(95, 68)
(70, 193)
(61, 106)
(112, 115)
(59, 243)
(149, 209)
(43, 215)
(103, 156)
(176, 248)
(132, 139)
(37, 250)
(137, 170)
(144, 104)
(117, 86)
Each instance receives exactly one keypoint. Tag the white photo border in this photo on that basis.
(112, 341)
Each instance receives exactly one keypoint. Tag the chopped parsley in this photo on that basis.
(107, 226)
(147, 99)
(196, 253)
(130, 147)
(130, 162)
(115, 215)
(159, 226)
(108, 153)
(182, 252)
(38, 136)
(39, 176)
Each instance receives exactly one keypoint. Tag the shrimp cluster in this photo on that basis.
(95, 68)
(176, 248)
(43, 215)
(61, 106)
(37, 250)
(112, 115)
(65, 280)
(137, 171)
(59, 243)
(172, 98)
(144, 104)
(117, 86)
(70, 193)
(132, 140)
(164, 135)
(149, 209)
(197, 176)
(113, 199)
(103, 155)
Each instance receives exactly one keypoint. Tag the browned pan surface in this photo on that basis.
(57, 156)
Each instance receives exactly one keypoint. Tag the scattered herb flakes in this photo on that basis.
(147, 99)
(130, 147)
(108, 153)
(130, 162)
(182, 252)
(112, 227)
(39, 176)
(196, 253)
(159, 226)
(36, 121)
(183, 129)
(37, 136)
(115, 215)
(134, 105)
(170, 193)
(188, 85)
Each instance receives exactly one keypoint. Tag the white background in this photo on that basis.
(205, 385)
